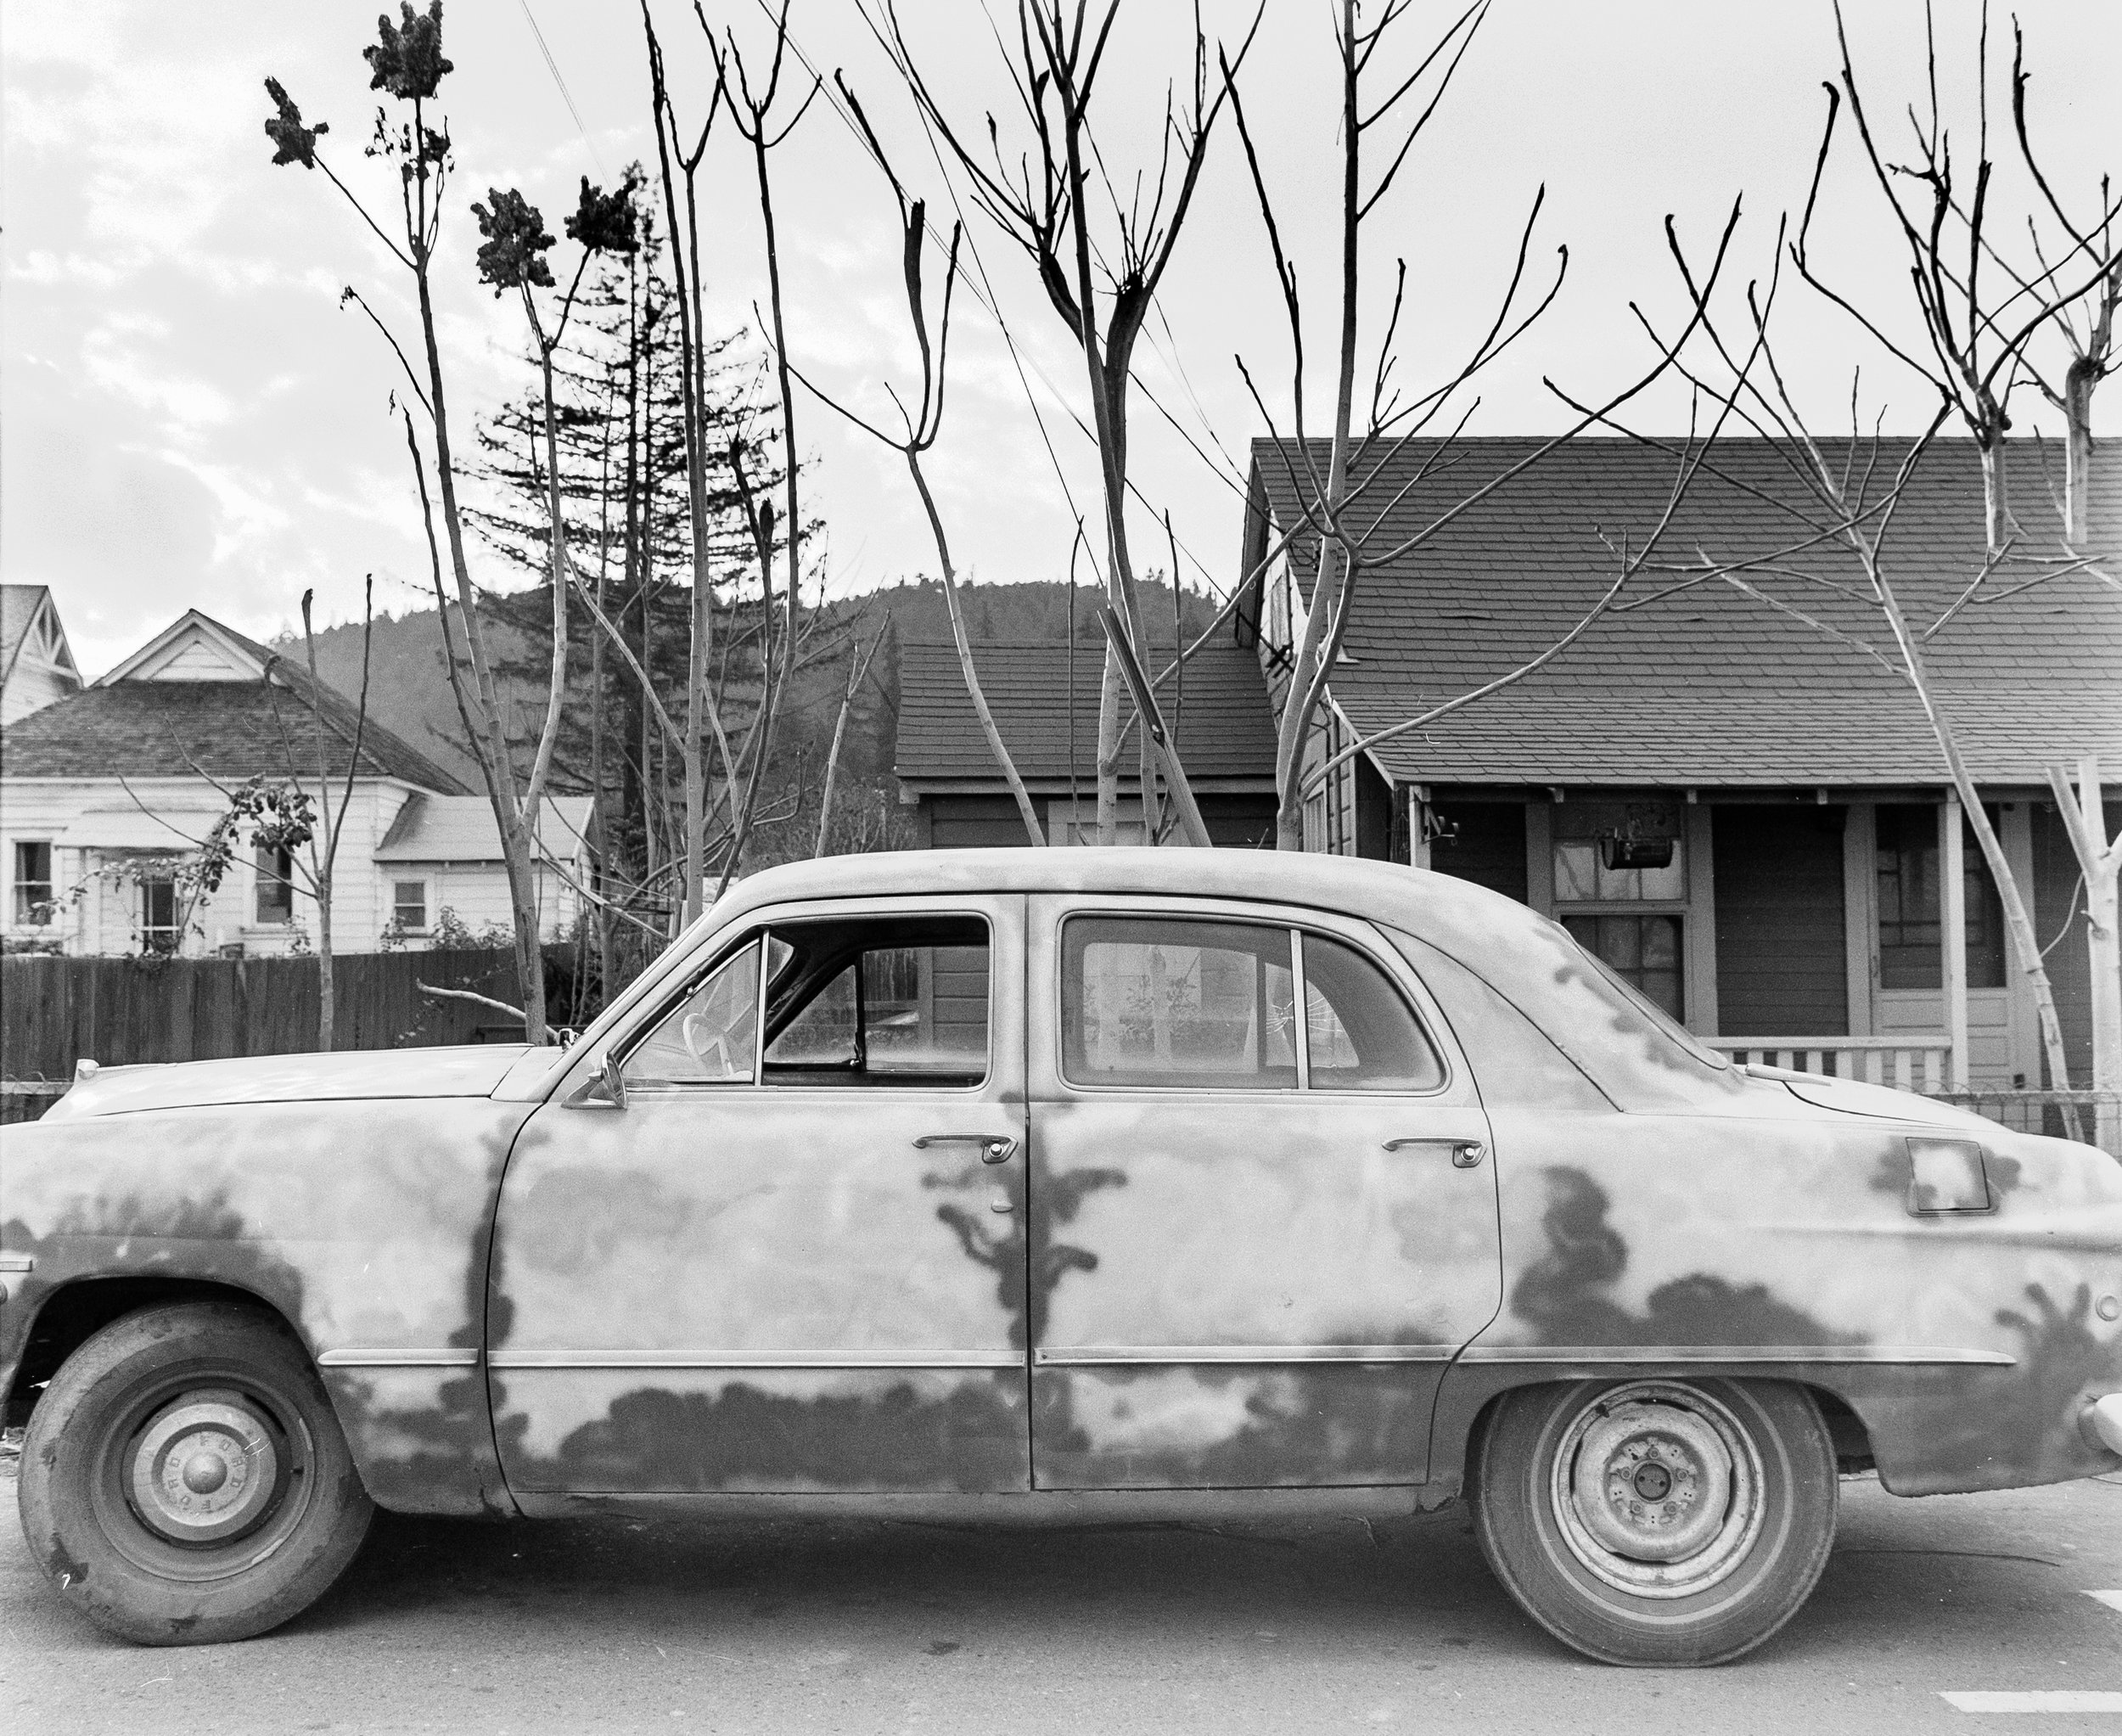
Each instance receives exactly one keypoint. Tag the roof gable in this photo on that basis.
(438, 828)
(30, 632)
(200, 696)
(194, 647)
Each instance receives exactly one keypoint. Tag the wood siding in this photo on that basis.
(1488, 848)
(987, 822)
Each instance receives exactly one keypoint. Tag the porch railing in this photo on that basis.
(1919, 1062)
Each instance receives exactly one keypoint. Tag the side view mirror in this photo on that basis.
(605, 1089)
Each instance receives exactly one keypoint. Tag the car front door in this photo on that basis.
(1263, 1215)
(792, 1258)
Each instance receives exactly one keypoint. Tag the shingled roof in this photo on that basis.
(1224, 728)
(1703, 685)
(146, 727)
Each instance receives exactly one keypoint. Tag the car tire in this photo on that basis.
(185, 1479)
(1657, 1522)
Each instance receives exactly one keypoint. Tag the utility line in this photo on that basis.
(553, 67)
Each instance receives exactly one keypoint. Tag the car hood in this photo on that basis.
(471, 1071)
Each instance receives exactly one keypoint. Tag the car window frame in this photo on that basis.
(758, 931)
(1294, 920)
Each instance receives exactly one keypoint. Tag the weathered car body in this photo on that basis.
(525, 1297)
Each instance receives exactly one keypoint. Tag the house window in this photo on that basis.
(158, 931)
(408, 906)
(1912, 924)
(1615, 863)
(1643, 951)
(33, 885)
(1618, 852)
(276, 884)
(1329, 812)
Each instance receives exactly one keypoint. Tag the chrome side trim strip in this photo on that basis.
(1894, 1355)
(1179, 1355)
(398, 1359)
(18, 1262)
(709, 1361)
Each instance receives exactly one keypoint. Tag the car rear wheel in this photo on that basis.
(185, 1479)
(1657, 1522)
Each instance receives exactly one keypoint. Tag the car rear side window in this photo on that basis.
(1199, 1003)
(1150, 1001)
(1359, 1033)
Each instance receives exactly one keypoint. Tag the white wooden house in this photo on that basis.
(36, 665)
(105, 793)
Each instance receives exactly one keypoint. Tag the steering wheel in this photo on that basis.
(692, 1030)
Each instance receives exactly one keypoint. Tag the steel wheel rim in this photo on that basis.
(1656, 1489)
(219, 1416)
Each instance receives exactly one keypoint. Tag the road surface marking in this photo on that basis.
(2112, 1599)
(2042, 1699)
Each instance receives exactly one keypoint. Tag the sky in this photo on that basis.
(188, 418)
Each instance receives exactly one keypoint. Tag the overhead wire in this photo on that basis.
(553, 67)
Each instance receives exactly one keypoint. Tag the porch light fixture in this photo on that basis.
(1643, 840)
(1619, 850)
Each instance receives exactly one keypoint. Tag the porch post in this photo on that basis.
(1860, 913)
(1953, 934)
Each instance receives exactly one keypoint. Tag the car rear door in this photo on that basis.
(794, 1258)
(1262, 1221)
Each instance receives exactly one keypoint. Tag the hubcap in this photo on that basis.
(1656, 1489)
(204, 1469)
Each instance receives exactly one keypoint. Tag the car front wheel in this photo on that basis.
(184, 1481)
(1657, 1522)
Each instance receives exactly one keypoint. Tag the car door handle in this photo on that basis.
(1466, 1154)
(995, 1148)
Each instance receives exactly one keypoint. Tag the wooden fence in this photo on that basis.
(55, 1011)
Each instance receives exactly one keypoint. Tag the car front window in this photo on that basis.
(712, 1037)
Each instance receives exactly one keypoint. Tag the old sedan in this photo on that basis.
(1020, 1182)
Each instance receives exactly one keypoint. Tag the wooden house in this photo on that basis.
(1718, 790)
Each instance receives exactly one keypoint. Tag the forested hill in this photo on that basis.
(409, 694)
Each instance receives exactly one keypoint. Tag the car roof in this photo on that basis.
(1384, 891)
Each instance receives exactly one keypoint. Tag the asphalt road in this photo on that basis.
(1292, 1628)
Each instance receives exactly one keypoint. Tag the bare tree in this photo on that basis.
(918, 432)
(1843, 498)
(406, 64)
(681, 209)
(2100, 860)
(755, 114)
(2090, 351)
(1102, 285)
(1977, 340)
(857, 669)
(1344, 502)
(1977, 349)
